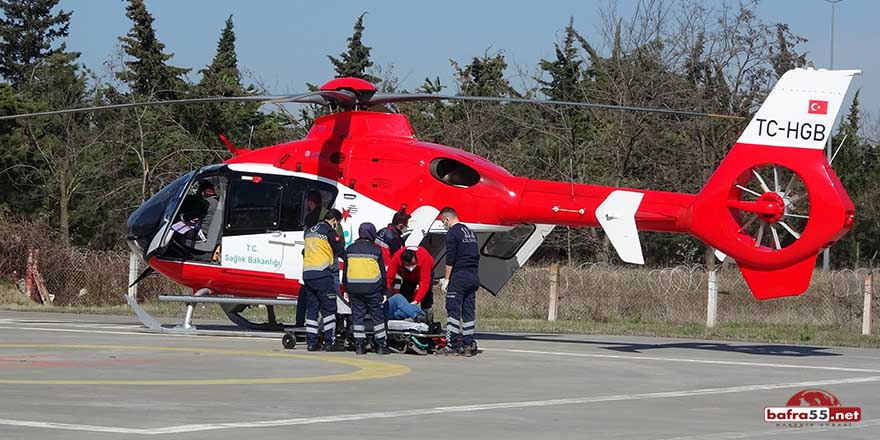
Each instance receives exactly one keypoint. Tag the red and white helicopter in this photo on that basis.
(773, 203)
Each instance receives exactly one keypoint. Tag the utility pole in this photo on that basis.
(826, 254)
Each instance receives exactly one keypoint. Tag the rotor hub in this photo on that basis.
(772, 207)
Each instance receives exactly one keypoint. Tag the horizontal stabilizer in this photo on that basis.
(617, 215)
(790, 281)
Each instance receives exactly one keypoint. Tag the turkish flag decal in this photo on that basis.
(818, 107)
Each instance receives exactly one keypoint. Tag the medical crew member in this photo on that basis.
(414, 264)
(461, 283)
(390, 239)
(322, 247)
(364, 280)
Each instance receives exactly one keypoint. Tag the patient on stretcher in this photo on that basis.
(397, 307)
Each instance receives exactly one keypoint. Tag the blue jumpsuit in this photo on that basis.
(463, 255)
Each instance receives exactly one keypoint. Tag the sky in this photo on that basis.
(284, 43)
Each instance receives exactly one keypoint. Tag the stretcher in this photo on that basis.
(402, 336)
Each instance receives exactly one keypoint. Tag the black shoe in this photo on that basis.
(468, 352)
(420, 319)
(314, 347)
(330, 347)
(474, 349)
(359, 348)
(382, 349)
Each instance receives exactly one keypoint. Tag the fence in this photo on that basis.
(601, 292)
(596, 292)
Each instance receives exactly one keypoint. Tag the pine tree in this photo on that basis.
(148, 73)
(565, 71)
(356, 60)
(484, 76)
(234, 120)
(27, 30)
(223, 75)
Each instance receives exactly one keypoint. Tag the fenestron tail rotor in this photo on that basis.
(772, 205)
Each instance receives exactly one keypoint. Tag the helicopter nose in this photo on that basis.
(153, 216)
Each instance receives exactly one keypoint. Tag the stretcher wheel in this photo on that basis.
(288, 341)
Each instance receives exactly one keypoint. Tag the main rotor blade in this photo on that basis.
(322, 97)
(385, 98)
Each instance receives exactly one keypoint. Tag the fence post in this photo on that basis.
(554, 292)
(866, 313)
(712, 303)
(133, 266)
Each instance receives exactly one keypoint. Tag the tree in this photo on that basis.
(27, 30)
(857, 166)
(243, 123)
(565, 71)
(223, 70)
(148, 74)
(356, 60)
(783, 55)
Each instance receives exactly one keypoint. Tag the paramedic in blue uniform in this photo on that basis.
(461, 283)
(364, 280)
(322, 247)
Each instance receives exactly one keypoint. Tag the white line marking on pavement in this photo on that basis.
(695, 361)
(433, 411)
(776, 432)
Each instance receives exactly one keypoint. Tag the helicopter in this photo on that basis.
(771, 206)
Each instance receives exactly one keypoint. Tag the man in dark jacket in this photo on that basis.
(322, 248)
(390, 239)
(461, 284)
(364, 280)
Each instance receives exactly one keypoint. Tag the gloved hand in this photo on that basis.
(443, 284)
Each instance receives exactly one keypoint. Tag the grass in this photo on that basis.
(801, 334)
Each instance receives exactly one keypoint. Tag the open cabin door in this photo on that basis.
(502, 253)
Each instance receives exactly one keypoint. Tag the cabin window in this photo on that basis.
(254, 206)
(453, 172)
(297, 214)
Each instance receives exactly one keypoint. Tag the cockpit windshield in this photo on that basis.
(145, 222)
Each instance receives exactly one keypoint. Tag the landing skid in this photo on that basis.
(232, 310)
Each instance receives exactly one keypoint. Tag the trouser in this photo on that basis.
(320, 296)
(397, 307)
(300, 319)
(461, 294)
(361, 304)
(408, 290)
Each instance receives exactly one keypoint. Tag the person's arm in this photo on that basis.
(381, 262)
(426, 266)
(452, 241)
(345, 270)
(336, 243)
(392, 270)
